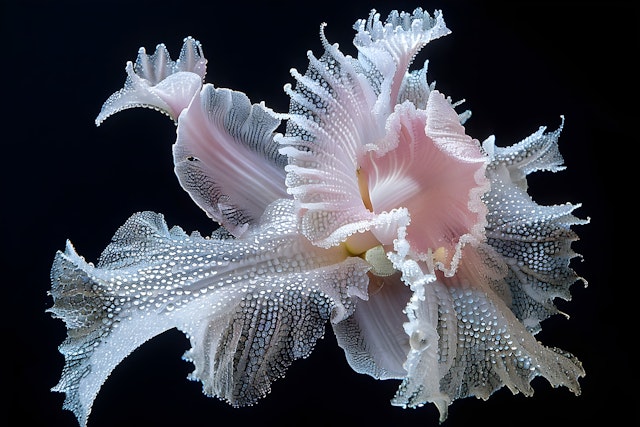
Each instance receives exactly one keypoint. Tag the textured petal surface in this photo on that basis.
(339, 111)
(375, 211)
(473, 333)
(465, 341)
(156, 81)
(534, 240)
(386, 50)
(239, 301)
(226, 158)
(436, 171)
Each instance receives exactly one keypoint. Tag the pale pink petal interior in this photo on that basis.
(433, 182)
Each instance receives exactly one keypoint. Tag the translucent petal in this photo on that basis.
(339, 111)
(434, 170)
(373, 338)
(534, 240)
(465, 341)
(387, 49)
(155, 81)
(226, 158)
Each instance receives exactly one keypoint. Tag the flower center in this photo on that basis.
(359, 243)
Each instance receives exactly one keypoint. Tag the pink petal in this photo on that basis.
(339, 110)
(226, 157)
(434, 170)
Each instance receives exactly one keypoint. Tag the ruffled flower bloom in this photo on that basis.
(374, 210)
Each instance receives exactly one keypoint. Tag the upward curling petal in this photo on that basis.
(534, 240)
(386, 49)
(156, 81)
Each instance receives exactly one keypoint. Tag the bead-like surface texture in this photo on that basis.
(370, 210)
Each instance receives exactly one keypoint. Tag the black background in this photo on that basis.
(519, 66)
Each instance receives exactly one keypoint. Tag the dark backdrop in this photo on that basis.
(519, 66)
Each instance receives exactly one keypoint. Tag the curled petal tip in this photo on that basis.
(156, 81)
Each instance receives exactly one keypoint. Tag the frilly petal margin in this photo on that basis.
(473, 333)
(534, 240)
(421, 247)
(249, 306)
(156, 81)
(220, 135)
(430, 166)
(386, 50)
(339, 110)
(226, 158)
(465, 341)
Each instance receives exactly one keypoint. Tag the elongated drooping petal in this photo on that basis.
(226, 158)
(339, 111)
(249, 306)
(156, 81)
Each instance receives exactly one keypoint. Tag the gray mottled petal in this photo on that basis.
(538, 152)
(473, 333)
(465, 341)
(226, 158)
(415, 88)
(387, 49)
(534, 240)
(238, 355)
(151, 279)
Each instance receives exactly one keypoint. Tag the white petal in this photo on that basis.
(386, 49)
(465, 341)
(151, 279)
(539, 151)
(534, 240)
(155, 81)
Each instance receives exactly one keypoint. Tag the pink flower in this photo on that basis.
(374, 211)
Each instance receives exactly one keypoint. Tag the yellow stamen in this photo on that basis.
(359, 243)
(363, 185)
(440, 254)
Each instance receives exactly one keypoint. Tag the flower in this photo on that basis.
(374, 211)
